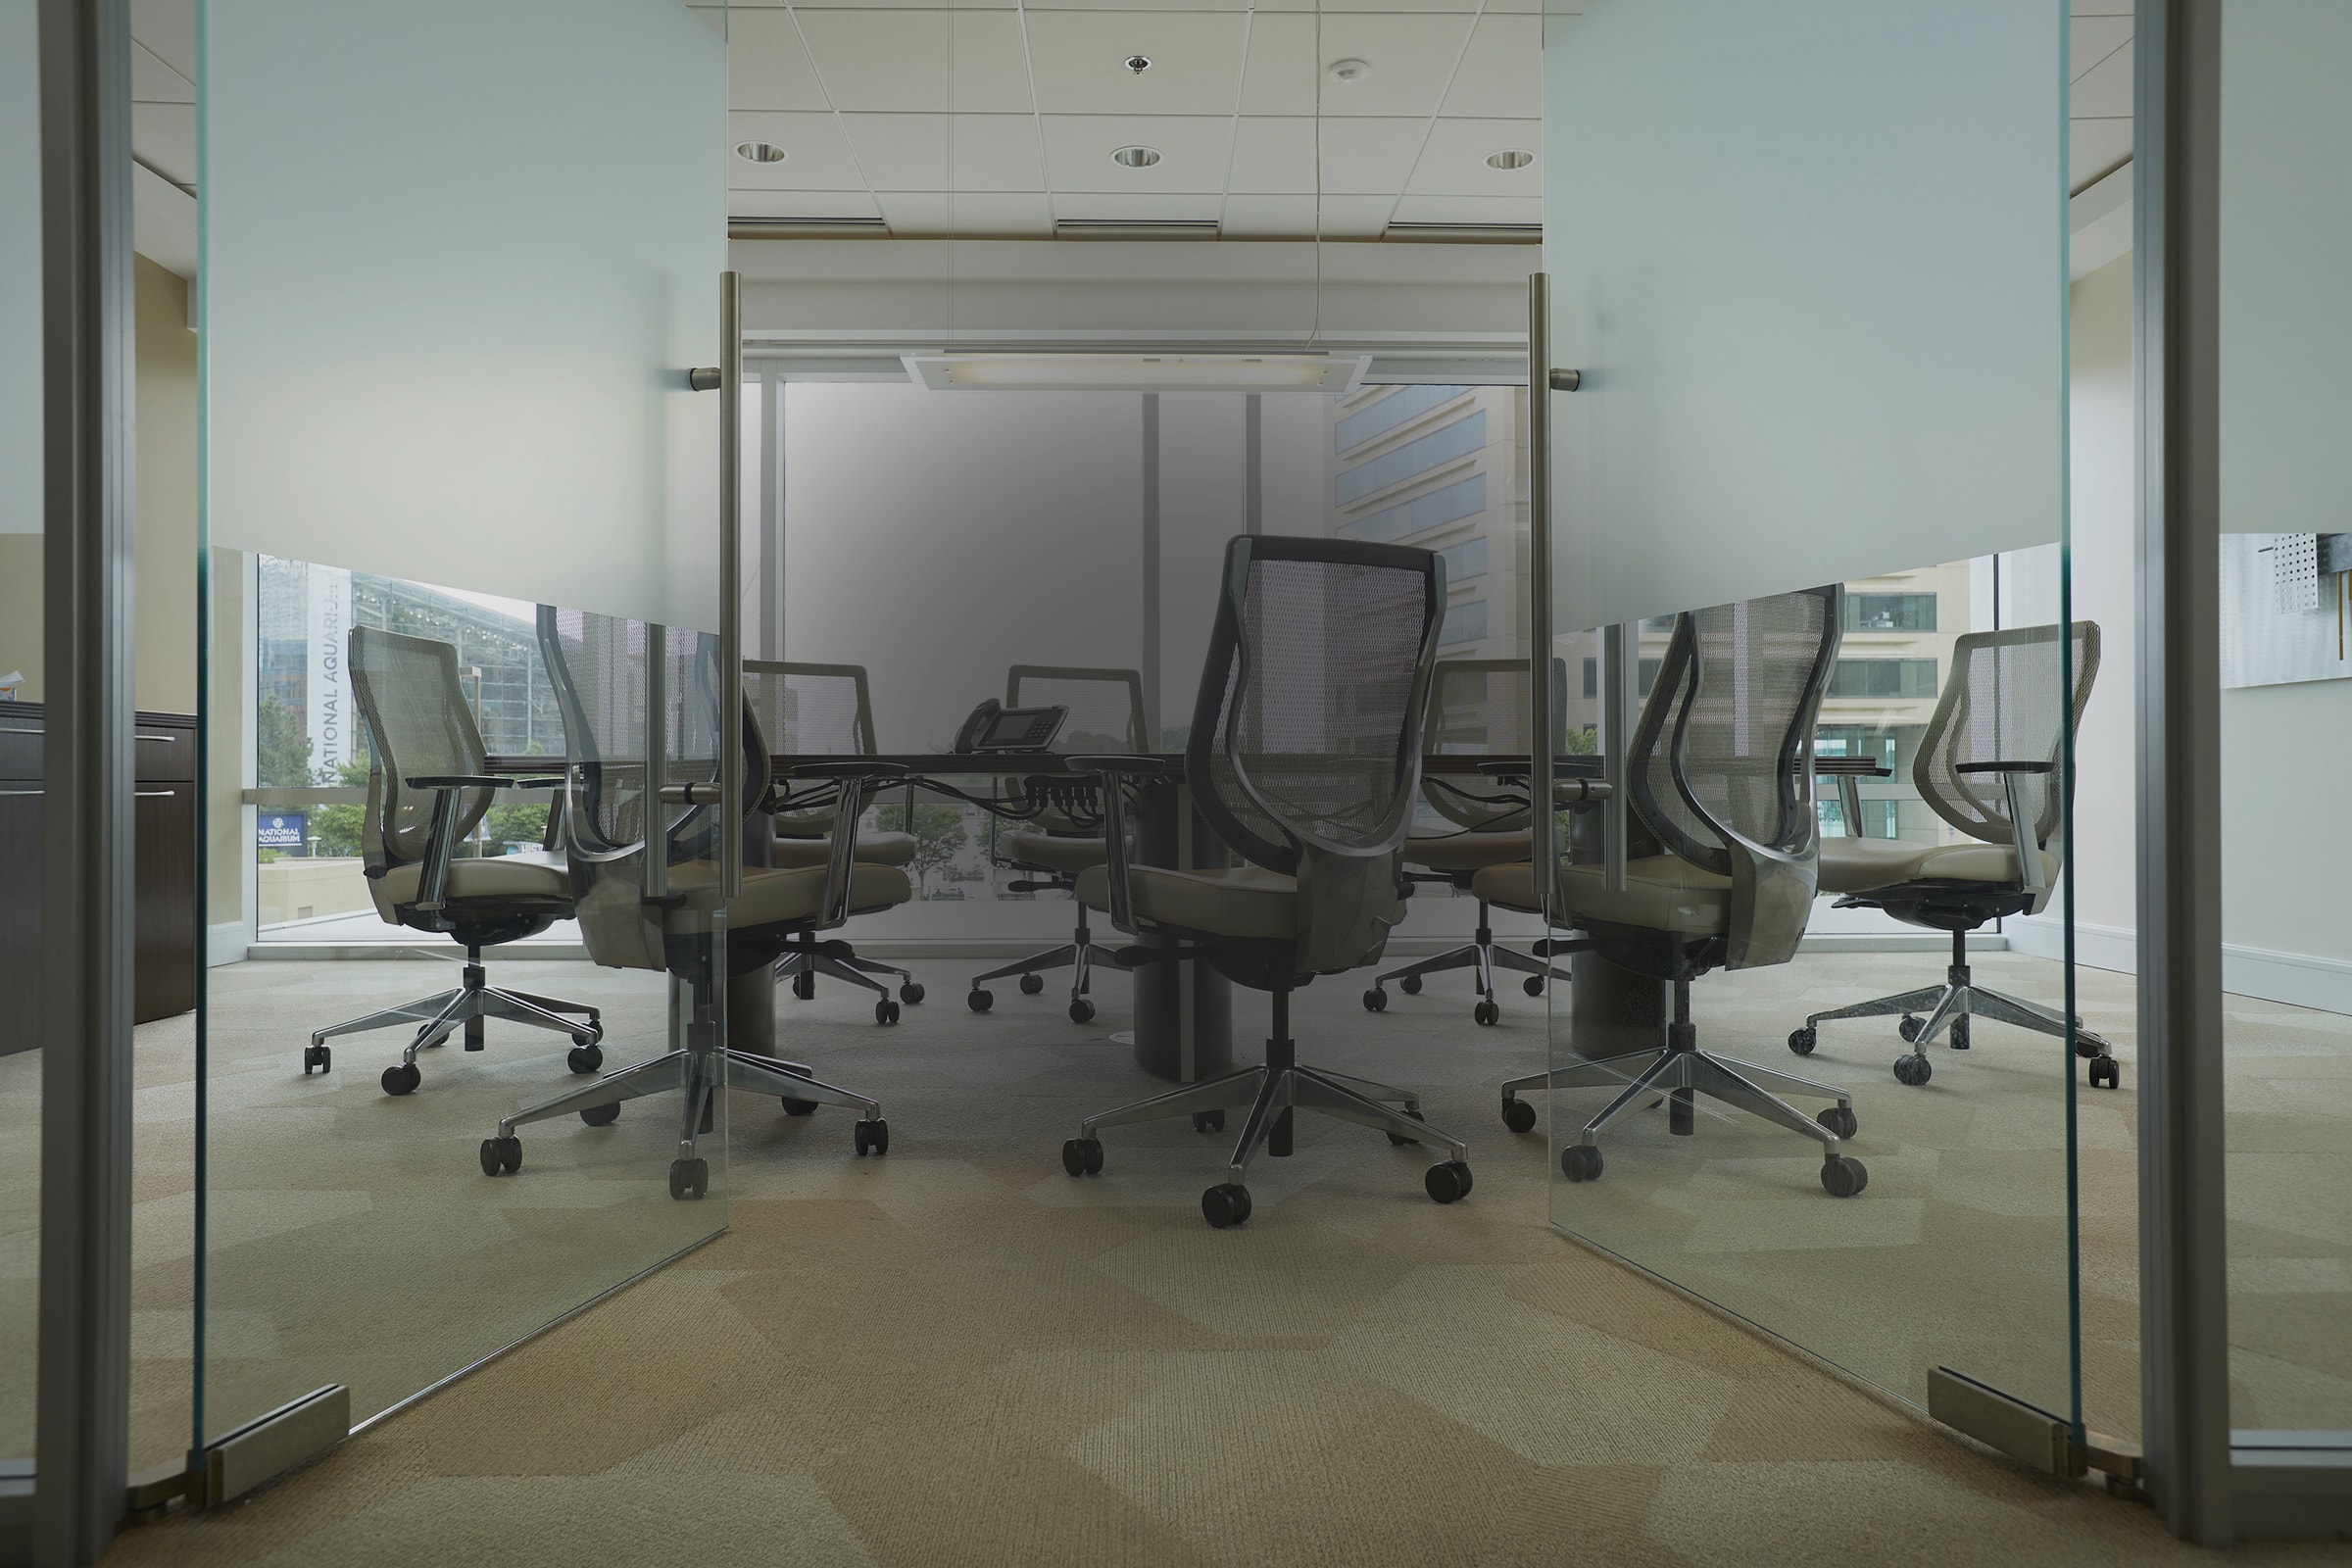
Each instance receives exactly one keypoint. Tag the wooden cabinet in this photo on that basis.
(168, 921)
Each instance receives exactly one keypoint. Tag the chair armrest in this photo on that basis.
(690, 793)
(2022, 836)
(849, 769)
(477, 781)
(432, 883)
(1140, 766)
(1851, 767)
(1564, 790)
(2006, 768)
(852, 775)
(1115, 770)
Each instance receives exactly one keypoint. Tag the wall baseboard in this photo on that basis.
(225, 943)
(2269, 974)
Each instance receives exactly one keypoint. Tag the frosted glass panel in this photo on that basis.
(1810, 260)
(448, 337)
(20, 276)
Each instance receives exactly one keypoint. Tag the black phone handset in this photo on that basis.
(967, 739)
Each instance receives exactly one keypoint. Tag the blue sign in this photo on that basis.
(282, 830)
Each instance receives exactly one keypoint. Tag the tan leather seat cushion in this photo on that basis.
(1662, 893)
(499, 876)
(1467, 852)
(785, 895)
(1244, 902)
(1066, 855)
(873, 849)
(1865, 865)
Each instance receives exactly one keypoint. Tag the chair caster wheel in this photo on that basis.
(1082, 1156)
(1032, 984)
(602, 1115)
(689, 1178)
(911, 992)
(1410, 985)
(2105, 1073)
(798, 1108)
(1488, 1012)
(1400, 1141)
(1447, 1181)
(1581, 1162)
(1376, 1001)
(804, 985)
(871, 1137)
(1533, 985)
(1913, 1070)
(1225, 1205)
(1843, 1176)
(1082, 1011)
(322, 1058)
(886, 1011)
(1802, 1041)
(1519, 1115)
(1208, 1121)
(2089, 1047)
(584, 1059)
(1909, 1028)
(1839, 1121)
(1957, 1040)
(501, 1155)
(979, 1001)
(402, 1079)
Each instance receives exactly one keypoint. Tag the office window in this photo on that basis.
(1883, 678)
(1464, 623)
(1464, 498)
(1376, 419)
(1441, 446)
(1464, 560)
(1646, 676)
(1889, 612)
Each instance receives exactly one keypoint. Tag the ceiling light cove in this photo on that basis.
(1347, 72)
(761, 152)
(1135, 157)
(1510, 158)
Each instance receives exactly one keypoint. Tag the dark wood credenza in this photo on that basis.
(167, 918)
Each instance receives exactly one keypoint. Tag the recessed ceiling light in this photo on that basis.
(1347, 72)
(761, 152)
(1135, 157)
(1510, 158)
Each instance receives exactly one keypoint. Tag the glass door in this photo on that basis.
(1827, 1059)
(462, 489)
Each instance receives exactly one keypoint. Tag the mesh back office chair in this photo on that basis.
(1721, 780)
(1474, 705)
(1988, 763)
(1304, 756)
(426, 791)
(641, 720)
(824, 711)
(1106, 711)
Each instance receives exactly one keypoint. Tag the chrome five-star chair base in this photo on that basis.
(700, 1072)
(1951, 1006)
(473, 1001)
(1480, 954)
(1080, 955)
(1678, 1074)
(807, 958)
(1272, 1091)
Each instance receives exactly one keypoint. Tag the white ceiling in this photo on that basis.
(999, 117)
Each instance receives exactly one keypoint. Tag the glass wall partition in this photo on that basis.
(2285, 598)
(1808, 515)
(465, 493)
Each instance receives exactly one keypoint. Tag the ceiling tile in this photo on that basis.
(154, 82)
(1455, 163)
(991, 67)
(800, 204)
(819, 156)
(933, 213)
(1079, 60)
(2098, 147)
(900, 152)
(1179, 207)
(997, 153)
(168, 27)
(1273, 154)
(882, 60)
(768, 67)
(2094, 39)
(1193, 152)
(2104, 91)
(1370, 157)
(1470, 209)
(1282, 71)
(911, 151)
(1269, 217)
(1503, 71)
(163, 137)
(1411, 56)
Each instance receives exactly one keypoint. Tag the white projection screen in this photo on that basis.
(1810, 260)
(458, 260)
